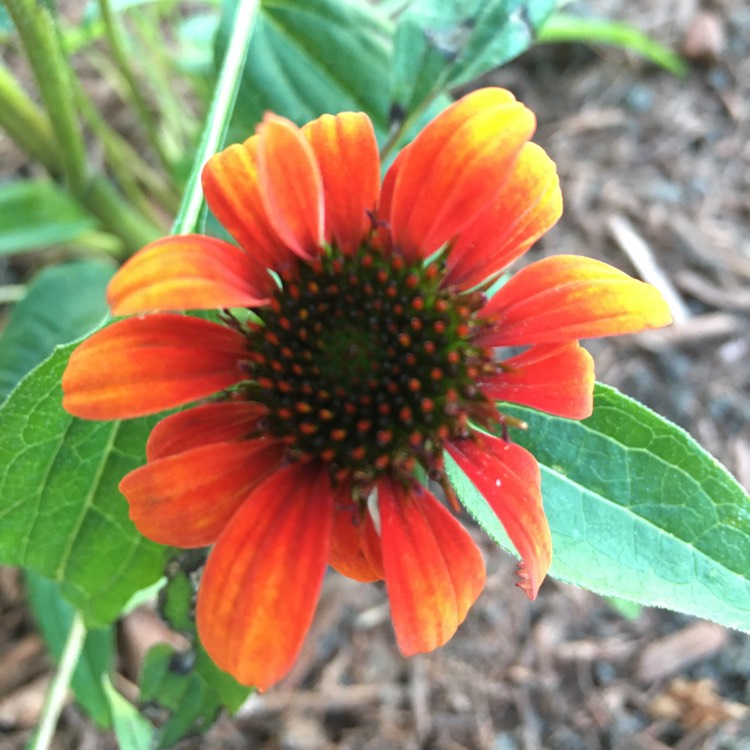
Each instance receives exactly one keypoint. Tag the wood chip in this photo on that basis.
(22, 708)
(644, 260)
(676, 651)
(697, 329)
(695, 704)
(23, 661)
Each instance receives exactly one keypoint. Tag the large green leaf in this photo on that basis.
(441, 44)
(308, 57)
(35, 214)
(63, 303)
(54, 617)
(61, 513)
(637, 509)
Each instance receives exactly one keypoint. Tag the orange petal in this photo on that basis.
(291, 185)
(188, 272)
(382, 237)
(209, 423)
(507, 476)
(186, 500)
(455, 167)
(145, 365)
(529, 204)
(434, 571)
(232, 191)
(569, 297)
(355, 544)
(347, 155)
(262, 580)
(556, 378)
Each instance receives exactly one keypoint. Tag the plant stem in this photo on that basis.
(25, 123)
(36, 29)
(117, 48)
(219, 112)
(127, 166)
(58, 688)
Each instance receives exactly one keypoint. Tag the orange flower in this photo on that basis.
(367, 354)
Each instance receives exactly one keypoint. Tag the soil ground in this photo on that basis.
(656, 176)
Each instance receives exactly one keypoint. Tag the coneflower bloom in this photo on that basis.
(356, 348)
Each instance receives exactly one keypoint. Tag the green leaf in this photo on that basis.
(308, 57)
(36, 214)
(189, 688)
(441, 44)
(637, 510)
(564, 27)
(132, 731)
(61, 513)
(63, 303)
(54, 617)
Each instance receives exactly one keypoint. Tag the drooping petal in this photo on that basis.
(434, 571)
(508, 478)
(568, 297)
(291, 185)
(188, 272)
(262, 579)
(347, 155)
(355, 543)
(529, 204)
(187, 499)
(556, 378)
(209, 423)
(455, 167)
(145, 365)
(231, 187)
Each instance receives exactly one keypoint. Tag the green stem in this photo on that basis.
(127, 166)
(118, 216)
(58, 688)
(219, 112)
(36, 29)
(117, 49)
(25, 123)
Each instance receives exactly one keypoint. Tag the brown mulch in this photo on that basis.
(656, 177)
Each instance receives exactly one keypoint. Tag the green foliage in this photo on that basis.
(61, 513)
(35, 214)
(63, 303)
(54, 617)
(185, 689)
(564, 27)
(308, 57)
(132, 731)
(637, 510)
(442, 45)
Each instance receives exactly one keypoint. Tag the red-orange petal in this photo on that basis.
(455, 167)
(434, 571)
(355, 544)
(291, 185)
(262, 579)
(568, 297)
(529, 204)
(188, 272)
(208, 423)
(142, 366)
(508, 478)
(382, 238)
(347, 156)
(556, 378)
(232, 190)
(186, 500)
